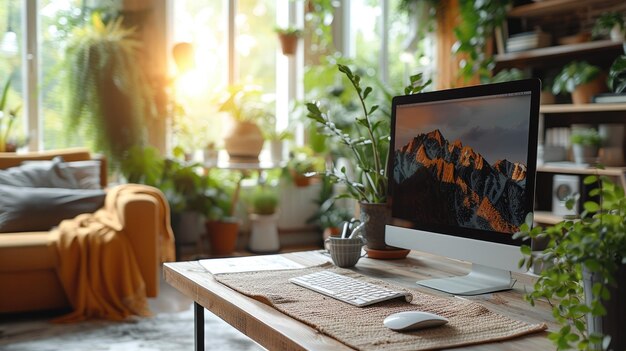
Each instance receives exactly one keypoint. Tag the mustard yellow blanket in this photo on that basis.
(97, 266)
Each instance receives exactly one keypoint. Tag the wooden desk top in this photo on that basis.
(276, 331)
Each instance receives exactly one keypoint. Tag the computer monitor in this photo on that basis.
(462, 178)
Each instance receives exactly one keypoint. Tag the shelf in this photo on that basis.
(543, 8)
(569, 108)
(608, 171)
(545, 217)
(538, 55)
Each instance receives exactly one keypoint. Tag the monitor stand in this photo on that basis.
(480, 280)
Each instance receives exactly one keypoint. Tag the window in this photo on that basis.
(11, 67)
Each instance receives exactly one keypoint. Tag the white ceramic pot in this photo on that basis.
(264, 233)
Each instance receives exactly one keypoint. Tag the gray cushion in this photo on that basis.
(49, 174)
(25, 209)
(85, 173)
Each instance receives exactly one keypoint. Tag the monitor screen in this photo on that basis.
(462, 161)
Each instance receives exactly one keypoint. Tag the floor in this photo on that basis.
(171, 328)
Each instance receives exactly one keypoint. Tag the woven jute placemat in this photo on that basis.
(362, 327)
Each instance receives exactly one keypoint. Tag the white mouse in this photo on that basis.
(411, 320)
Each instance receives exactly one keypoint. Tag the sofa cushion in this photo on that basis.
(46, 174)
(27, 251)
(24, 209)
(85, 173)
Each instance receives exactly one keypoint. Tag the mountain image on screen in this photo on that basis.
(438, 182)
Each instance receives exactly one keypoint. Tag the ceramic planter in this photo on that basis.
(244, 142)
(375, 216)
(222, 236)
(264, 233)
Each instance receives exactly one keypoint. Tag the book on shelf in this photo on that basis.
(610, 98)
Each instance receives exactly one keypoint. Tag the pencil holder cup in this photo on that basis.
(345, 252)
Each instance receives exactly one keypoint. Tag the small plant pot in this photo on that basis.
(585, 92)
(288, 43)
(244, 142)
(222, 236)
(585, 154)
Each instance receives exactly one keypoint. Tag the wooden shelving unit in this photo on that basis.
(548, 7)
(569, 108)
(545, 55)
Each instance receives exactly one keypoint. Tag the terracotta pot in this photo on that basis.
(585, 92)
(289, 43)
(375, 217)
(222, 236)
(244, 141)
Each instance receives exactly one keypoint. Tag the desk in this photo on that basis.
(276, 331)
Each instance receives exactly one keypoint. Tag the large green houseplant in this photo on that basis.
(369, 149)
(586, 272)
(108, 94)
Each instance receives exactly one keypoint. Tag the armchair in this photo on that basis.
(28, 260)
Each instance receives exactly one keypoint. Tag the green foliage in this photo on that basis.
(328, 214)
(606, 22)
(7, 117)
(183, 183)
(589, 137)
(289, 31)
(245, 103)
(264, 200)
(369, 150)
(597, 242)
(507, 75)
(617, 75)
(303, 160)
(108, 94)
(574, 74)
(478, 21)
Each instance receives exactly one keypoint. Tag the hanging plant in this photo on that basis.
(478, 21)
(109, 97)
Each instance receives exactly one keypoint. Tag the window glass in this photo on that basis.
(196, 121)
(11, 46)
(57, 19)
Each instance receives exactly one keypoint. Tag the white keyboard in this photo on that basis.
(346, 289)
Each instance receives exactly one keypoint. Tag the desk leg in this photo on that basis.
(198, 332)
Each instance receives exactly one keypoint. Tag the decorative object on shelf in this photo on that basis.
(370, 151)
(585, 145)
(617, 77)
(528, 40)
(586, 282)
(210, 154)
(109, 95)
(564, 187)
(264, 218)
(581, 79)
(244, 141)
(611, 23)
(575, 39)
(612, 149)
(289, 39)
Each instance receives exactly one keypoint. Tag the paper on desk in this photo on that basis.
(249, 264)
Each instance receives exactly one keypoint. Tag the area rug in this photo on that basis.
(171, 328)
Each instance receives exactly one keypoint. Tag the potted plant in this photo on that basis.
(586, 280)
(617, 75)
(245, 140)
(288, 39)
(303, 165)
(264, 217)
(329, 216)
(109, 96)
(221, 225)
(581, 79)
(585, 144)
(369, 150)
(611, 23)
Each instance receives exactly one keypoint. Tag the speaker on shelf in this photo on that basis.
(563, 187)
